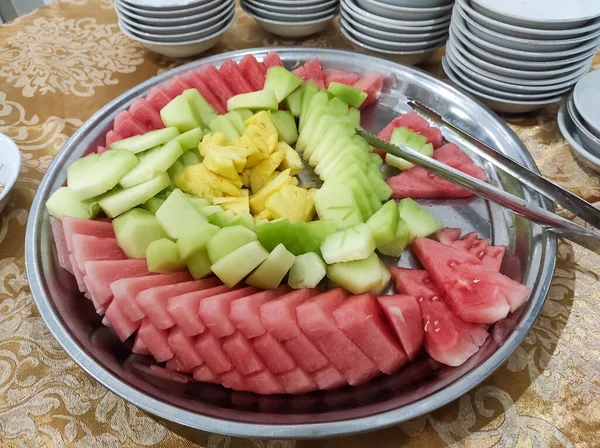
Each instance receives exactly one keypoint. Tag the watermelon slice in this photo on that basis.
(264, 383)
(140, 347)
(158, 97)
(300, 72)
(80, 226)
(279, 316)
(272, 59)
(448, 339)
(78, 275)
(490, 256)
(242, 355)
(155, 340)
(253, 71)
(297, 381)
(184, 350)
(360, 318)
(100, 150)
(371, 83)
(476, 294)
(142, 111)
(273, 354)
(404, 314)
(204, 374)
(127, 126)
(174, 365)
(88, 248)
(244, 312)
(314, 71)
(198, 83)
(215, 82)
(329, 378)
(210, 349)
(214, 310)
(120, 323)
(60, 243)
(305, 353)
(177, 85)
(415, 123)
(234, 78)
(234, 380)
(111, 137)
(334, 75)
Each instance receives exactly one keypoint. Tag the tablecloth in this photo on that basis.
(61, 63)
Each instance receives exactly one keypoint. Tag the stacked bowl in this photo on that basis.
(579, 120)
(519, 55)
(292, 18)
(175, 28)
(407, 31)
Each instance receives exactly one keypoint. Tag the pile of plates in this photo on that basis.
(292, 18)
(519, 55)
(175, 28)
(407, 31)
(579, 120)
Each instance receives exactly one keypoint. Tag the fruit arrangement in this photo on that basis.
(195, 233)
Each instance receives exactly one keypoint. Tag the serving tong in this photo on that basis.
(549, 221)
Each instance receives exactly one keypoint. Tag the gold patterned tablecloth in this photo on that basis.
(63, 62)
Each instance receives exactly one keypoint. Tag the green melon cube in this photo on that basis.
(271, 272)
(180, 114)
(336, 202)
(153, 204)
(382, 189)
(195, 240)
(211, 210)
(376, 160)
(152, 163)
(310, 124)
(245, 113)
(318, 99)
(190, 158)
(336, 138)
(270, 234)
(64, 202)
(307, 271)
(282, 82)
(221, 124)
(117, 202)
(235, 266)
(353, 243)
(235, 118)
(354, 117)
(309, 89)
(255, 101)
(190, 139)
(201, 109)
(178, 216)
(420, 222)
(139, 143)
(227, 240)
(412, 140)
(199, 264)
(401, 239)
(199, 203)
(385, 279)
(135, 230)
(384, 223)
(163, 257)
(244, 219)
(285, 123)
(359, 276)
(351, 95)
(223, 218)
(293, 102)
(318, 132)
(338, 107)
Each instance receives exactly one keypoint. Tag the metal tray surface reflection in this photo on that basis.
(417, 389)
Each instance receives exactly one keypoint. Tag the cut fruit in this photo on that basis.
(135, 230)
(163, 257)
(64, 202)
(371, 83)
(253, 71)
(384, 223)
(146, 141)
(180, 114)
(261, 100)
(258, 200)
(285, 123)
(358, 276)
(95, 174)
(307, 271)
(310, 89)
(335, 202)
(314, 72)
(351, 95)
(199, 264)
(234, 78)
(271, 272)
(202, 110)
(189, 158)
(221, 124)
(152, 163)
(419, 221)
(262, 172)
(404, 314)
(236, 119)
(281, 82)
(195, 239)
(490, 256)
(294, 102)
(354, 117)
(289, 203)
(232, 268)
(228, 240)
(292, 160)
(353, 243)
(412, 140)
(119, 201)
(178, 216)
(402, 238)
(152, 204)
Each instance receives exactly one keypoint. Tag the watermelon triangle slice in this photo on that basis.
(334, 75)
(198, 83)
(158, 97)
(415, 123)
(314, 71)
(253, 71)
(234, 78)
(490, 256)
(141, 110)
(215, 82)
(371, 83)
(272, 59)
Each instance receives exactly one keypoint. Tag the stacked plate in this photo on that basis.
(579, 120)
(407, 31)
(176, 28)
(519, 55)
(292, 18)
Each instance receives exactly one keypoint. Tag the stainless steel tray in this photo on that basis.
(415, 390)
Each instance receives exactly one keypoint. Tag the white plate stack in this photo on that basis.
(579, 120)
(407, 31)
(175, 28)
(292, 18)
(520, 55)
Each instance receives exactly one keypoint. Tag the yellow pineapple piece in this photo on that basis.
(253, 154)
(262, 119)
(293, 181)
(257, 200)
(245, 177)
(236, 205)
(265, 215)
(225, 162)
(292, 159)
(202, 182)
(263, 171)
(212, 140)
(289, 202)
(309, 205)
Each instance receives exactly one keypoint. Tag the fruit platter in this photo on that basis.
(219, 247)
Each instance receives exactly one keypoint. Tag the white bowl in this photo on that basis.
(511, 84)
(387, 35)
(183, 37)
(161, 5)
(573, 138)
(292, 30)
(403, 13)
(542, 14)
(496, 103)
(590, 141)
(368, 19)
(10, 166)
(390, 45)
(472, 44)
(587, 100)
(181, 49)
(176, 30)
(417, 3)
(287, 18)
(293, 9)
(518, 43)
(523, 32)
(290, 3)
(184, 20)
(403, 57)
(167, 13)
(459, 23)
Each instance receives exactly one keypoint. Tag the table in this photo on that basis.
(61, 63)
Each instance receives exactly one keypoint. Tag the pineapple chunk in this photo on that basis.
(245, 177)
(236, 205)
(225, 161)
(309, 205)
(253, 154)
(265, 215)
(199, 181)
(263, 171)
(258, 200)
(210, 141)
(262, 119)
(292, 159)
(289, 202)
(293, 181)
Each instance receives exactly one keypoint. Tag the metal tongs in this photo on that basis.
(548, 220)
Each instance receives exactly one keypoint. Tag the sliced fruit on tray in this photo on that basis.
(491, 256)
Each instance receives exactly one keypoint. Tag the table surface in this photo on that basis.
(63, 62)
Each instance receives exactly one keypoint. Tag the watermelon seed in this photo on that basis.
(436, 330)
(421, 299)
(426, 326)
(434, 298)
(476, 280)
(481, 254)
(436, 322)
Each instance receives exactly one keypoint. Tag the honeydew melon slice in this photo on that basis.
(199, 264)
(152, 162)
(178, 216)
(221, 124)
(420, 222)
(359, 276)
(293, 102)
(331, 140)
(307, 271)
(64, 202)
(135, 230)
(304, 134)
(336, 202)
(310, 89)
(232, 268)
(285, 123)
(117, 202)
(282, 82)
(353, 243)
(351, 95)
(401, 239)
(227, 240)
(236, 119)
(190, 139)
(255, 101)
(201, 109)
(140, 143)
(317, 133)
(163, 257)
(272, 271)
(384, 222)
(153, 204)
(180, 114)
(195, 240)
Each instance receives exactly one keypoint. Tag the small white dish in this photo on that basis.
(169, 13)
(184, 20)
(390, 45)
(495, 103)
(164, 4)
(380, 33)
(10, 166)
(292, 30)
(293, 9)
(290, 3)
(587, 100)
(368, 19)
(590, 141)
(417, 3)
(179, 50)
(523, 32)
(570, 134)
(403, 13)
(287, 18)
(543, 14)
